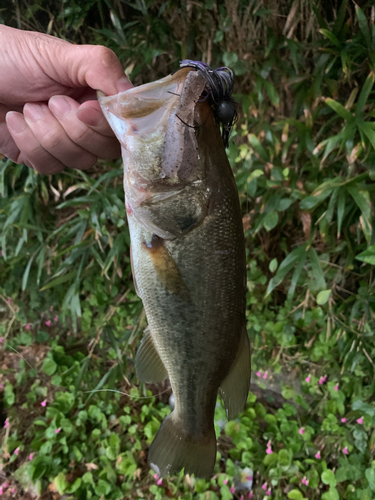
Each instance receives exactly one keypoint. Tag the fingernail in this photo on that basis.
(15, 122)
(124, 84)
(59, 106)
(33, 112)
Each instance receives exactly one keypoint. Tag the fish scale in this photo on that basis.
(188, 258)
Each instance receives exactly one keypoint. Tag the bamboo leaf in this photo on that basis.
(339, 109)
(369, 132)
(331, 37)
(363, 205)
(317, 269)
(363, 25)
(287, 264)
(59, 280)
(365, 92)
(27, 272)
(340, 210)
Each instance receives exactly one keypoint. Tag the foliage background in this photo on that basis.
(303, 154)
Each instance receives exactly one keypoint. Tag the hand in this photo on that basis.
(49, 115)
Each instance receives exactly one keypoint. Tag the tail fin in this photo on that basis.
(172, 450)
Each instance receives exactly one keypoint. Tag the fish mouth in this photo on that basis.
(141, 110)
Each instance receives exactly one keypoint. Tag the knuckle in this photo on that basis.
(105, 55)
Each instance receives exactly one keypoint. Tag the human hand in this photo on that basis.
(49, 115)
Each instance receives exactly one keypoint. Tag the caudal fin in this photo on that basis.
(172, 450)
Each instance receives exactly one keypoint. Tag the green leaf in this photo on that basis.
(341, 203)
(255, 143)
(364, 207)
(26, 273)
(102, 488)
(49, 366)
(328, 477)
(273, 265)
(331, 37)
(61, 483)
(339, 109)
(363, 25)
(287, 264)
(295, 495)
(317, 269)
(323, 297)
(370, 476)
(365, 92)
(332, 494)
(314, 200)
(368, 255)
(368, 131)
(59, 280)
(270, 220)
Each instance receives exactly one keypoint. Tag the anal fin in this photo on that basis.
(235, 387)
(148, 364)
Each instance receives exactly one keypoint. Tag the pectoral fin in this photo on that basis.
(235, 387)
(148, 364)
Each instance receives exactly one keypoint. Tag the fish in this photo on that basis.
(188, 261)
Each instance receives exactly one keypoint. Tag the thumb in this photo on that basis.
(97, 67)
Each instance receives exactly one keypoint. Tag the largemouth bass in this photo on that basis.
(188, 261)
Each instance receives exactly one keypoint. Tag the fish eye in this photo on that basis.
(225, 112)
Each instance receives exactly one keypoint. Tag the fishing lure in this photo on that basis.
(218, 92)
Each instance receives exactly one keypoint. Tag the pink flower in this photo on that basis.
(28, 326)
(57, 430)
(360, 420)
(56, 318)
(43, 403)
(251, 494)
(232, 489)
(308, 379)
(1, 340)
(242, 497)
(258, 374)
(225, 481)
(159, 482)
(9, 300)
(317, 455)
(48, 322)
(268, 492)
(345, 450)
(265, 375)
(264, 486)
(336, 388)
(269, 449)
(1, 490)
(1, 386)
(5, 485)
(305, 481)
(51, 308)
(31, 456)
(344, 420)
(6, 424)
(16, 451)
(301, 431)
(322, 380)
(156, 477)
(13, 490)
